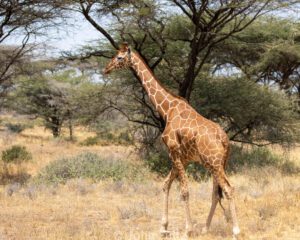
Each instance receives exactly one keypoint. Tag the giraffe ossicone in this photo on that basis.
(188, 136)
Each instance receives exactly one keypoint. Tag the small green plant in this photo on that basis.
(107, 138)
(91, 166)
(12, 169)
(124, 138)
(90, 141)
(15, 127)
(16, 154)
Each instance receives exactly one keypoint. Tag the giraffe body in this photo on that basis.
(188, 137)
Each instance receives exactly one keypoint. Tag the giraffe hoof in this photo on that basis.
(165, 233)
(236, 231)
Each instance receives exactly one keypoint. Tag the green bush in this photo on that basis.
(289, 167)
(90, 141)
(15, 127)
(16, 154)
(108, 138)
(254, 157)
(158, 161)
(124, 138)
(88, 165)
(197, 171)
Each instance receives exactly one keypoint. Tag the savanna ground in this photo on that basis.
(268, 200)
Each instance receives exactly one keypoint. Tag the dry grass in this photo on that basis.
(44, 148)
(268, 202)
(107, 210)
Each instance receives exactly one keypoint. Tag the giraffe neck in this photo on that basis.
(158, 95)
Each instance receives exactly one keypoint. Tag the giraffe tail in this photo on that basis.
(220, 193)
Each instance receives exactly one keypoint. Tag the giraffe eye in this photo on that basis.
(119, 58)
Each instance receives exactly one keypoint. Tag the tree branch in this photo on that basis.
(85, 12)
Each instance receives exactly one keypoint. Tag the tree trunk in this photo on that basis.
(55, 126)
(70, 127)
(185, 87)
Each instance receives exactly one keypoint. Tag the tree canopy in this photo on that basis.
(235, 61)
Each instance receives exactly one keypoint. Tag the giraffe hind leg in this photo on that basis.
(228, 190)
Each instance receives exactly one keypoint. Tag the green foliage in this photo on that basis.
(242, 158)
(90, 141)
(249, 111)
(289, 167)
(89, 165)
(254, 157)
(124, 138)
(16, 154)
(16, 127)
(108, 138)
(54, 96)
(113, 132)
(197, 171)
(158, 161)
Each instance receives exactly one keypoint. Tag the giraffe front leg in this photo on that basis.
(166, 189)
(184, 194)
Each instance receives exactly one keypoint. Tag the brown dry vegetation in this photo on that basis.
(268, 202)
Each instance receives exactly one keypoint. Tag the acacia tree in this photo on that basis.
(206, 23)
(58, 94)
(243, 85)
(21, 20)
(179, 40)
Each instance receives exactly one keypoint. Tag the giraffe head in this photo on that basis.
(121, 60)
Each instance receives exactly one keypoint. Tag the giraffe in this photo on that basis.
(188, 137)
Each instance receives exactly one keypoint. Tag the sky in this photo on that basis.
(79, 32)
(75, 33)
(83, 32)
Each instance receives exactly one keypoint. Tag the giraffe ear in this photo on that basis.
(124, 47)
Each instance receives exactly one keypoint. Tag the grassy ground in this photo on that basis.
(268, 202)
